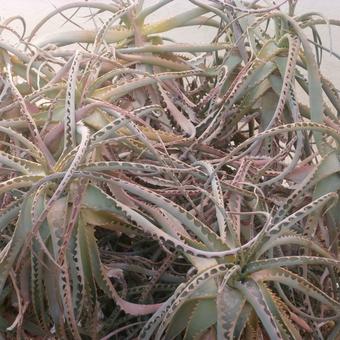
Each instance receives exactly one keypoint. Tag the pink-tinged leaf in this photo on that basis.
(177, 115)
(300, 322)
(31, 108)
(137, 309)
(300, 173)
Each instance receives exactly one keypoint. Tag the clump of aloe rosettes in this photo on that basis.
(157, 188)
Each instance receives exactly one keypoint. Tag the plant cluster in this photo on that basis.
(151, 189)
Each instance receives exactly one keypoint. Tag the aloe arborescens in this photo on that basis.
(152, 189)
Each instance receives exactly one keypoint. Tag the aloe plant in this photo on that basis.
(152, 189)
